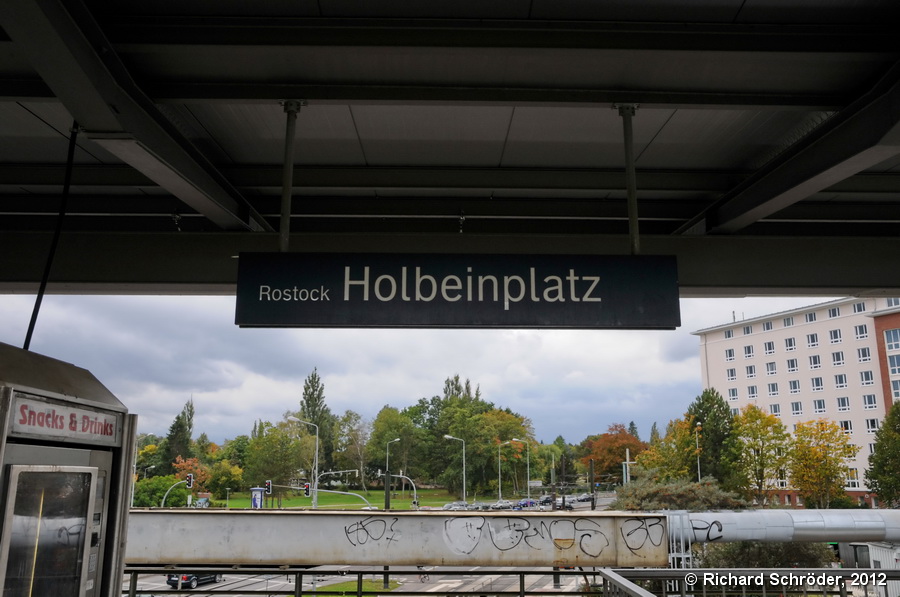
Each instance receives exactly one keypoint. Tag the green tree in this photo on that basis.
(633, 430)
(148, 493)
(654, 434)
(647, 492)
(224, 475)
(178, 440)
(719, 452)
(235, 450)
(757, 554)
(273, 456)
(350, 441)
(314, 410)
(765, 448)
(819, 461)
(882, 477)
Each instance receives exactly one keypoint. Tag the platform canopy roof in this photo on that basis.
(766, 136)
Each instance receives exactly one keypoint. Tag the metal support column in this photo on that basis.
(287, 176)
(627, 111)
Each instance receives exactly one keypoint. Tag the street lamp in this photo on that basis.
(387, 469)
(146, 470)
(227, 493)
(697, 444)
(315, 500)
(464, 462)
(527, 466)
(499, 476)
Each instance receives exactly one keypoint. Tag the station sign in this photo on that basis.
(457, 291)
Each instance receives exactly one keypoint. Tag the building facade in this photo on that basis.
(838, 360)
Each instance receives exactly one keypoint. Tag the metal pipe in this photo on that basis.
(287, 174)
(627, 111)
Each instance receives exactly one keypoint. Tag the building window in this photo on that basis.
(731, 374)
(892, 339)
(867, 378)
(895, 389)
(893, 302)
(815, 361)
(775, 409)
(871, 448)
(751, 371)
(792, 366)
(752, 393)
(863, 355)
(846, 426)
(735, 412)
(812, 340)
(840, 381)
(837, 358)
(810, 317)
(748, 329)
(767, 326)
(834, 336)
(788, 322)
(732, 394)
(869, 402)
(894, 364)
(748, 352)
(817, 385)
(818, 406)
(852, 478)
(859, 307)
(773, 389)
(861, 332)
(729, 354)
(796, 408)
(790, 344)
(843, 404)
(794, 386)
(834, 312)
(770, 369)
(769, 347)
(871, 425)
(729, 334)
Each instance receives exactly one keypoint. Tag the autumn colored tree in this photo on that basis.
(881, 476)
(184, 466)
(608, 450)
(674, 456)
(819, 461)
(224, 475)
(765, 447)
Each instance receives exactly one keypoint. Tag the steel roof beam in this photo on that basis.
(77, 63)
(864, 135)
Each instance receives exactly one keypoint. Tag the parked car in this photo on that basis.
(527, 503)
(456, 506)
(479, 506)
(502, 505)
(190, 581)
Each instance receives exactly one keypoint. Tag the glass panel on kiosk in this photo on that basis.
(48, 522)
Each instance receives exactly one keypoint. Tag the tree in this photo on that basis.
(273, 455)
(719, 452)
(757, 554)
(819, 461)
(148, 493)
(350, 441)
(882, 477)
(646, 492)
(608, 451)
(654, 433)
(633, 430)
(675, 455)
(193, 466)
(224, 475)
(235, 450)
(314, 410)
(764, 450)
(178, 440)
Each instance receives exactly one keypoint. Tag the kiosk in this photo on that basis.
(66, 448)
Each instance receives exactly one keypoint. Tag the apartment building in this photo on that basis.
(838, 360)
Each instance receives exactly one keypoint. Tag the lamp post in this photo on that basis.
(464, 462)
(146, 470)
(527, 466)
(697, 444)
(227, 493)
(315, 500)
(499, 476)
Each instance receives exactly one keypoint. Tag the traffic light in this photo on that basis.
(268, 488)
(306, 489)
(190, 480)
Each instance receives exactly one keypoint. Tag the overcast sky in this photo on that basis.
(156, 352)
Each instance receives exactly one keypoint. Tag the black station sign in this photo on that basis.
(457, 291)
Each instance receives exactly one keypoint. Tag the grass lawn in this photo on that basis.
(434, 498)
(349, 587)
